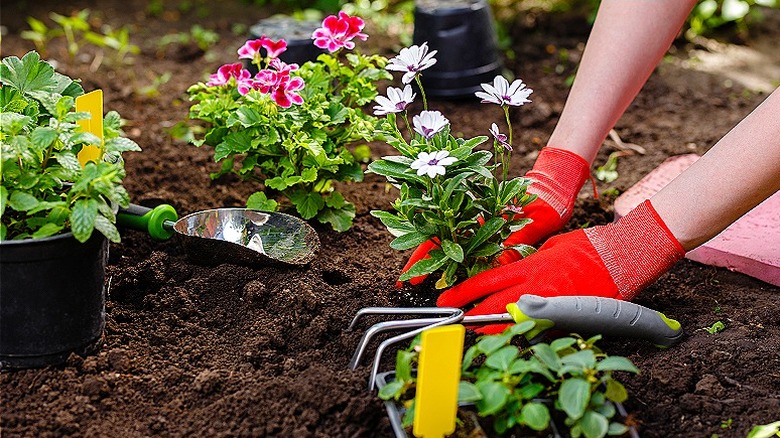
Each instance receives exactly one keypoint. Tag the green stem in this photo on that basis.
(422, 92)
(509, 152)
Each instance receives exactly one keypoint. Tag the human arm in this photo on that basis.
(618, 260)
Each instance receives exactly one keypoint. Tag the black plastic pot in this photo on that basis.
(52, 299)
(297, 33)
(464, 34)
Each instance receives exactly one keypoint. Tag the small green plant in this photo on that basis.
(519, 387)
(289, 127)
(709, 15)
(153, 89)
(45, 190)
(765, 431)
(718, 326)
(608, 171)
(40, 34)
(203, 38)
(450, 193)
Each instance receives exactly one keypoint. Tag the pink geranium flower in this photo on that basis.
(251, 49)
(227, 71)
(265, 81)
(282, 67)
(274, 49)
(285, 93)
(337, 32)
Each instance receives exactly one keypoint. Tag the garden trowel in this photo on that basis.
(578, 314)
(229, 234)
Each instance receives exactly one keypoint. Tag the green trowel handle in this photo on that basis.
(157, 221)
(596, 315)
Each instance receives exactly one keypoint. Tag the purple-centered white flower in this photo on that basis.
(396, 101)
(501, 93)
(433, 163)
(500, 138)
(429, 123)
(412, 60)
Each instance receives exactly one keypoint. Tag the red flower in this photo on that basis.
(285, 95)
(227, 71)
(338, 32)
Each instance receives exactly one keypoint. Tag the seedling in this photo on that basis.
(519, 386)
(718, 326)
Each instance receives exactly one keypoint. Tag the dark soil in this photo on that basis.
(231, 350)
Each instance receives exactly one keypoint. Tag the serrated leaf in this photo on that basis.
(27, 74)
(339, 218)
(82, 219)
(43, 136)
(68, 160)
(108, 229)
(258, 201)
(307, 204)
(121, 144)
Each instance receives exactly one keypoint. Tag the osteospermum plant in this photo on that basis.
(450, 193)
(288, 127)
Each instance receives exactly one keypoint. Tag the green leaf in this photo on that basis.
(486, 250)
(425, 266)
(765, 430)
(594, 425)
(468, 392)
(489, 344)
(396, 171)
(494, 397)
(616, 363)
(43, 136)
(339, 218)
(394, 224)
(82, 219)
(258, 201)
(403, 364)
(485, 232)
(581, 360)
(408, 241)
(536, 416)
(562, 343)
(574, 396)
(3, 199)
(22, 201)
(121, 144)
(68, 160)
(390, 390)
(616, 391)
(524, 250)
(307, 204)
(107, 228)
(502, 358)
(47, 230)
(547, 356)
(27, 74)
(452, 250)
(617, 429)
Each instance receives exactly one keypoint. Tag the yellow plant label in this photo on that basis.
(438, 377)
(92, 103)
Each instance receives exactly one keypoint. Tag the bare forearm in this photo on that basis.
(628, 40)
(738, 173)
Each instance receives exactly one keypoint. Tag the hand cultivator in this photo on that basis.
(581, 314)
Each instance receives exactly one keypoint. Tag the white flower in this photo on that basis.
(500, 138)
(501, 93)
(432, 164)
(429, 123)
(412, 60)
(396, 101)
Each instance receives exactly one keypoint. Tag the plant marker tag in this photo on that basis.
(92, 103)
(438, 378)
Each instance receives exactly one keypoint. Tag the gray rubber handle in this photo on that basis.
(608, 316)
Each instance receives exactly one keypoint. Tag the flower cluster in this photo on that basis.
(289, 126)
(450, 194)
(337, 32)
(273, 78)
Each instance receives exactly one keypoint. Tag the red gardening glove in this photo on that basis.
(613, 261)
(559, 176)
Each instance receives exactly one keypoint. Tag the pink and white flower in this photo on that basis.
(429, 123)
(412, 60)
(337, 32)
(500, 138)
(502, 93)
(227, 71)
(396, 101)
(251, 49)
(433, 163)
(285, 92)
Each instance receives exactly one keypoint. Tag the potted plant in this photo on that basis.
(52, 260)
(452, 195)
(562, 387)
(288, 126)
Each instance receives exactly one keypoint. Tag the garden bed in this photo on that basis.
(231, 350)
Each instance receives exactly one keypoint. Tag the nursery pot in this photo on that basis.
(52, 299)
(297, 33)
(464, 34)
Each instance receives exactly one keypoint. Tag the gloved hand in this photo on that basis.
(559, 176)
(613, 261)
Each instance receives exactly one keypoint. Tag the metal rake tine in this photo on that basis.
(383, 327)
(398, 311)
(457, 316)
